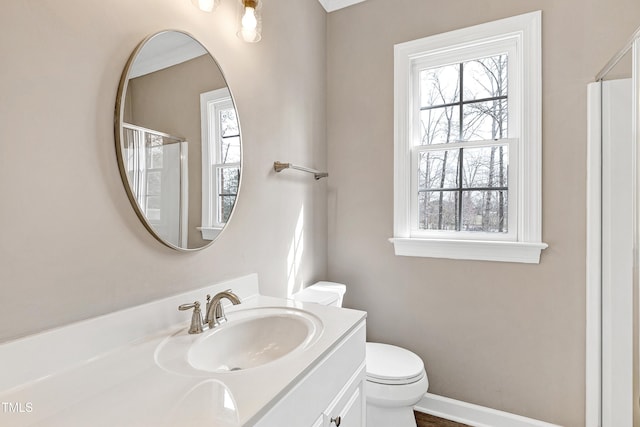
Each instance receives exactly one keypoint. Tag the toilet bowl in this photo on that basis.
(396, 381)
(396, 378)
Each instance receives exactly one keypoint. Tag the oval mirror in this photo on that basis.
(178, 140)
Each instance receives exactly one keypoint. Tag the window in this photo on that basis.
(220, 160)
(467, 143)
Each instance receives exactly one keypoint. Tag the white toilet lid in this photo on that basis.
(388, 364)
(318, 296)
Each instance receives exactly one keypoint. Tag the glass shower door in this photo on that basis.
(613, 219)
(156, 166)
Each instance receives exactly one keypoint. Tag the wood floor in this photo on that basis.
(426, 420)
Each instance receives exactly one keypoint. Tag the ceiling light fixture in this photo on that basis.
(249, 17)
(250, 21)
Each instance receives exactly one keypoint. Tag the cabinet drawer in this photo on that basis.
(349, 408)
(317, 391)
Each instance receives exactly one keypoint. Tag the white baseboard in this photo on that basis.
(473, 415)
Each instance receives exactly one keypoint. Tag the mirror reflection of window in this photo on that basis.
(221, 160)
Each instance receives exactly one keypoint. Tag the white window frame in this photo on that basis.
(210, 103)
(520, 37)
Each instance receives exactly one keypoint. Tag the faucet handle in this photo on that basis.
(183, 307)
(196, 318)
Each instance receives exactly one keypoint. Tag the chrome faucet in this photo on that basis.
(215, 310)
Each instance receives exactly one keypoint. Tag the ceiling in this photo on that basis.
(171, 47)
(331, 5)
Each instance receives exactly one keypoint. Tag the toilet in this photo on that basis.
(396, 378)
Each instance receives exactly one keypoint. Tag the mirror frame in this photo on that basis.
(119, 137)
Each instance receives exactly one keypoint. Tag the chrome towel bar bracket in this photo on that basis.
(279, 167)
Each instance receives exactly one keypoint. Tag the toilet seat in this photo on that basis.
(391, 365)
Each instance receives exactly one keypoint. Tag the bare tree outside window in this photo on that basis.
(464, 188)
(228, 170)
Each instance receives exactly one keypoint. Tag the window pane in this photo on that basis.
(440, 86)
(485, 167)
(485, 120)
(154, 183)
(485, 78)
(229, 179)
(485, 211)
(228, 123)
(153, 202)
(152, 210)
(155, 154)
(225, 204)
(438, 169)
(440, 125)
(153, 215)
(154, 140)
(230, 150)
(437, 210)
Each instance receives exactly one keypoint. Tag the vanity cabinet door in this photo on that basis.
(348, 410)
(334, 388)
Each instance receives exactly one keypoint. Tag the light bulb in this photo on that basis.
(205, 5)
(249, 20)
(250, 25)
(249, 31)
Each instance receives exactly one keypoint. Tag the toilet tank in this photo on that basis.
(324, 293)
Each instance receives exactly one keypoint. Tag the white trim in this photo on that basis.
(473, 415)
(184, 194)
(333, 5)
(165, 50)
(486, 250)
(525, 30)
(209, 233)
(635, 137)
(593, 396)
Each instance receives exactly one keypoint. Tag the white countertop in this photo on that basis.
(132, 385)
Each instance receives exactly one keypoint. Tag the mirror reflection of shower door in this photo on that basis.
(156, 165)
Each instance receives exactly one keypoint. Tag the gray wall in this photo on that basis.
(71, 246)
(506, 336)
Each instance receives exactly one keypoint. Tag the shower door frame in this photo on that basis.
(601, 383)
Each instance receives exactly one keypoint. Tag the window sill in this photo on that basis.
(480, 250)
(209, 233)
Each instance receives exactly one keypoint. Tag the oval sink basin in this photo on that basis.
(254, 337)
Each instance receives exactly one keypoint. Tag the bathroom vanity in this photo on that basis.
(274, 362)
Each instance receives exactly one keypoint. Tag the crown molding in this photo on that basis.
(332, 5)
